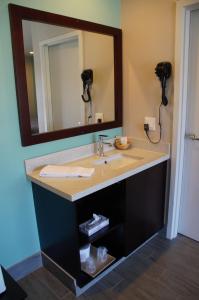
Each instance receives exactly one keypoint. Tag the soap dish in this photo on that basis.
(120, 146)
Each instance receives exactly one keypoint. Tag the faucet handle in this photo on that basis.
(101, 136)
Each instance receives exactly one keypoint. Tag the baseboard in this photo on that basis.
(58, 272)
(26, 266)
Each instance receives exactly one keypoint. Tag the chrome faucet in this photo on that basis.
(101, 143)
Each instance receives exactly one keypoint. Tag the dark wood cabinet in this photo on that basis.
(58, 224)
(144, 206)
(134, 206)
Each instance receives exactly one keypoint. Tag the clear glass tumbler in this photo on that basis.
(90, 265)
(102, 254)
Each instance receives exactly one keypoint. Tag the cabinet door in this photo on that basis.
(145, 201)
(57, 227)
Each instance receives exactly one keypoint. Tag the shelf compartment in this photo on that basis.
(99, 266)
(84, 239)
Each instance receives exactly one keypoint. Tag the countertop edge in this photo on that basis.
(101, 185)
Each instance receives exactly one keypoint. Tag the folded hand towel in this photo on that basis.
(65, 171)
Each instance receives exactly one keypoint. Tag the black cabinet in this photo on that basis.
(58, 224)
(57, 227)
(134, 206)
(13, 290)
(144, 205)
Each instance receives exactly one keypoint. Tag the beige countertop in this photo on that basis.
(104, 175)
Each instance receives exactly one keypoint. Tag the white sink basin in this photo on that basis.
(117, 160)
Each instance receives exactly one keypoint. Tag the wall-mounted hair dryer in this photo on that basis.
(87, 78)
(163, 72)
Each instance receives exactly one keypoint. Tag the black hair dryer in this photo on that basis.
(163, 72)
(87, 78)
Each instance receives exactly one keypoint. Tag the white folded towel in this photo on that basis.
(65, 171)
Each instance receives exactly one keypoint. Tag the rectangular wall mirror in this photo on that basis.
(68, 75)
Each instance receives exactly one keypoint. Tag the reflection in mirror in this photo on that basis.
(59, 97)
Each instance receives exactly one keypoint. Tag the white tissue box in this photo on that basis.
(91, 229)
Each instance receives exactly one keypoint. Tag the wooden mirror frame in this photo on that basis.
(19, 13)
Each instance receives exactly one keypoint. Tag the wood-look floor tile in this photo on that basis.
(160, 270)
(112, 279)
(36, 290)
(51, 282)
(180, 282)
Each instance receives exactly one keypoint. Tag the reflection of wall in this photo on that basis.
(18, 230)
(98, 55)
(31, 93)
(148, 38)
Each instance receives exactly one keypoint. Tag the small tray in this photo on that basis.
(99, 266)
(120, 146)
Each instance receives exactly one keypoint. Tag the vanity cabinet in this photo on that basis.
(58, 224)
(144, 208)
(134, 206)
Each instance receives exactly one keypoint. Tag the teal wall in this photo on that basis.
(18, 230)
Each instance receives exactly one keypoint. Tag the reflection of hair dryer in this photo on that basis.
(87, 78)
(163, 72)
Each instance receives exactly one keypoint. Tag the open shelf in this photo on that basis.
(84, 239)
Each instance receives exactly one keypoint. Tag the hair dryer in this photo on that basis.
(87, 78)
(163, 72)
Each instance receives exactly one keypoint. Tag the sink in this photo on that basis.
(117, 160)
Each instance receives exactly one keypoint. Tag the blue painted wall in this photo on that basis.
(18, 230)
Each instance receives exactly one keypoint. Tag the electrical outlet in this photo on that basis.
(151, 122)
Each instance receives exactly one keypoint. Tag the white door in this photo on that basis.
(65, 80)
(189, 211)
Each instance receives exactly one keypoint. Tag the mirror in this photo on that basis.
(68, 75)
(57, 59)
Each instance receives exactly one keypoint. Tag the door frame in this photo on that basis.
(46, 115)
(183, 12)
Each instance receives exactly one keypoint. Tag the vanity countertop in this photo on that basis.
(104, 175)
